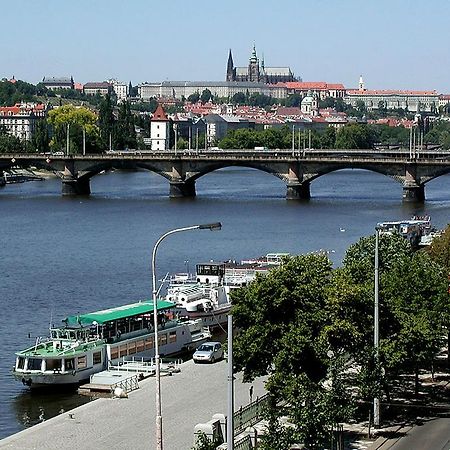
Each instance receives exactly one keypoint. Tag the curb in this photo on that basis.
(384, 443)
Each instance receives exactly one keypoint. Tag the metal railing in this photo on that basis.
(250, 414)
(128, 384)
(244, 443)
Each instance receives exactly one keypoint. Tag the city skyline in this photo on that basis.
(392, 44)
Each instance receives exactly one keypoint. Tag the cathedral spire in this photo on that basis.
(230, 67)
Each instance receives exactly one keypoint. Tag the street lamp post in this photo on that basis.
(208, 226)
(376, 331)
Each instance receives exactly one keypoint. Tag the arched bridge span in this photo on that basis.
(296, 169)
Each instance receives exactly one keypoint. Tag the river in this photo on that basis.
(61, 256)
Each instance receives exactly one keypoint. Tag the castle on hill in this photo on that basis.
(257, 72)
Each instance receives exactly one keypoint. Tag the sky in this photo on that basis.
(394, 44)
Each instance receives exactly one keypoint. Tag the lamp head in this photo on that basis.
(210, 226)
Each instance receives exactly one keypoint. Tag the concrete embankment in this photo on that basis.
(188, 398)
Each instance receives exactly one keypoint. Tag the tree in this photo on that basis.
(439, 249)
(125, 136)
(355, 136)
(328, 139)
(8, 143)
(194, 98)
(106, 122)
(239, 98)
(206, 96)
(41, 137)
(281, 318)
(79, 119)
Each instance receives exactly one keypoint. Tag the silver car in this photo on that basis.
(208, 352)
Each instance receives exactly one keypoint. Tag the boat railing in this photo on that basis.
(144, 365)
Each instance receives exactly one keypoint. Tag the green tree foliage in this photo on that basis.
(294, 100)
(20, 91)
(413, 304)
(391, 135)
(41, 136)
(206, 96)
(439, 133)
(281, 318)
(125, 136)
(356, 136)
(79, 118)
(8, 143)
(194, 98)
(239, 98)
(439, 249)
(106, 122)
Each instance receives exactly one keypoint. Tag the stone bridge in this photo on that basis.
(296, 168)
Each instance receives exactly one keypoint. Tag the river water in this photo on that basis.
(61, 256)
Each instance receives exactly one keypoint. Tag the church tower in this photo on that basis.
(230, 68)
(159, 130)
(361, 84)
(253, 67)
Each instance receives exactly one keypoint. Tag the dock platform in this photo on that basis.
(191, 397)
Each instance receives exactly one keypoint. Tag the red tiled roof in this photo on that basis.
(389, 92)
(317, 85)
(159, 114)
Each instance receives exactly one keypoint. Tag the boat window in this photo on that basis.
(114, 352)
(149, 343)
(172, 337)
(163, 339)
(97, 358)
(82, 362)
(21, 362)
(131, 348)
(34, 364)
(123, 350)
(139, 346)
(70, 364)
(53, 364)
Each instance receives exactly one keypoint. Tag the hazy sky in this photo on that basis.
(392, 43)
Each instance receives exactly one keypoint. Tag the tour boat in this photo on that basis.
(88, 342)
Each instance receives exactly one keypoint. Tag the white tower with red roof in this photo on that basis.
(159, 130)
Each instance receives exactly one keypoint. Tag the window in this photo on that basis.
(82, 362)
(21, 363)
(97, 358)
(149, 343)
(123, 350)
(131, 348)
(172, 337)
(70, 364)
(34, 364)
(163, 339)
(114, 352)
(53, 364)
(139, 346)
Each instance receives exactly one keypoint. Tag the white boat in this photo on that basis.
(88, 342)
(417, 231)
(207, 294)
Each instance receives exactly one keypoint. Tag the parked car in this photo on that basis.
(208, 352)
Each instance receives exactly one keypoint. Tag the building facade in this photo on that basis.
(53, 83)
(320, 89)
(94, 88)
(20, 120)
(223, 89)
(414, 101)
(257, 72)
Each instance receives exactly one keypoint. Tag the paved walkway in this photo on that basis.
(188, 398)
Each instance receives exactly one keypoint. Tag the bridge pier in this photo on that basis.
(76, 186)
(181, 189)
(298, 191)
(414, 193)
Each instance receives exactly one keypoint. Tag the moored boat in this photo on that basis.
(207, 294)
(88, 342)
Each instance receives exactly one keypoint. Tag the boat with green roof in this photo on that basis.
(86, 343)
